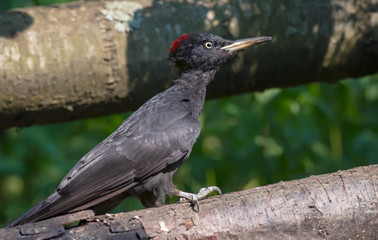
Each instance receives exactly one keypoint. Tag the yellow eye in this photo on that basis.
(208, 45)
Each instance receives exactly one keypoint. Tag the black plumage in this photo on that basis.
(140, 157)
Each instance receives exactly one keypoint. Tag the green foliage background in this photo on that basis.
(246, 141)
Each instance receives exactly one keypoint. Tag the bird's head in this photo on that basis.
(205, 51)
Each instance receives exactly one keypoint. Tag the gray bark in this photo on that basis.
(340, 205)
(67, 62)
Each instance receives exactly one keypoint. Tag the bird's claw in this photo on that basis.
(194, 198)
(191, 198)
(203, 192)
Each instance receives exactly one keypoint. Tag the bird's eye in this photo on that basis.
(208, 45)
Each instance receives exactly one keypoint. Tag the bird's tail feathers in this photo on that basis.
(38, 212)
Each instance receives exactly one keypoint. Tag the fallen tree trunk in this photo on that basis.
(340, 205)
(68, 62)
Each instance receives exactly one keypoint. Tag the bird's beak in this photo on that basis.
(244, 43)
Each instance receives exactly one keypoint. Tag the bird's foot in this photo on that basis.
(194, 198)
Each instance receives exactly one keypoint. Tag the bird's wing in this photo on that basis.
(142, 146)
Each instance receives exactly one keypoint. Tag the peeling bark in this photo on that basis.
(340, 205)
(68, 62)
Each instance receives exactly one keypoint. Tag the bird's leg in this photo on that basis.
(194, 198)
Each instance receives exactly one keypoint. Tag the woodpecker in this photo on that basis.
(140, 157)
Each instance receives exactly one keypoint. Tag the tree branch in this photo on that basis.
(340, 205)
(68, 62)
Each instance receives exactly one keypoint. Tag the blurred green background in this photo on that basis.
(246, 141)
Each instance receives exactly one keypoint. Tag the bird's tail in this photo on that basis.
(39, 212)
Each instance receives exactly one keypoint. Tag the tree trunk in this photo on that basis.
(340, 205)
(67, 62)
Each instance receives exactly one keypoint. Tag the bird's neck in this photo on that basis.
(196, 79)
(193, 84)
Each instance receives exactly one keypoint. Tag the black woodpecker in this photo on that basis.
(140, 157)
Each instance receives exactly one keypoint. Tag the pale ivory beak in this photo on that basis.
(244, 43)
